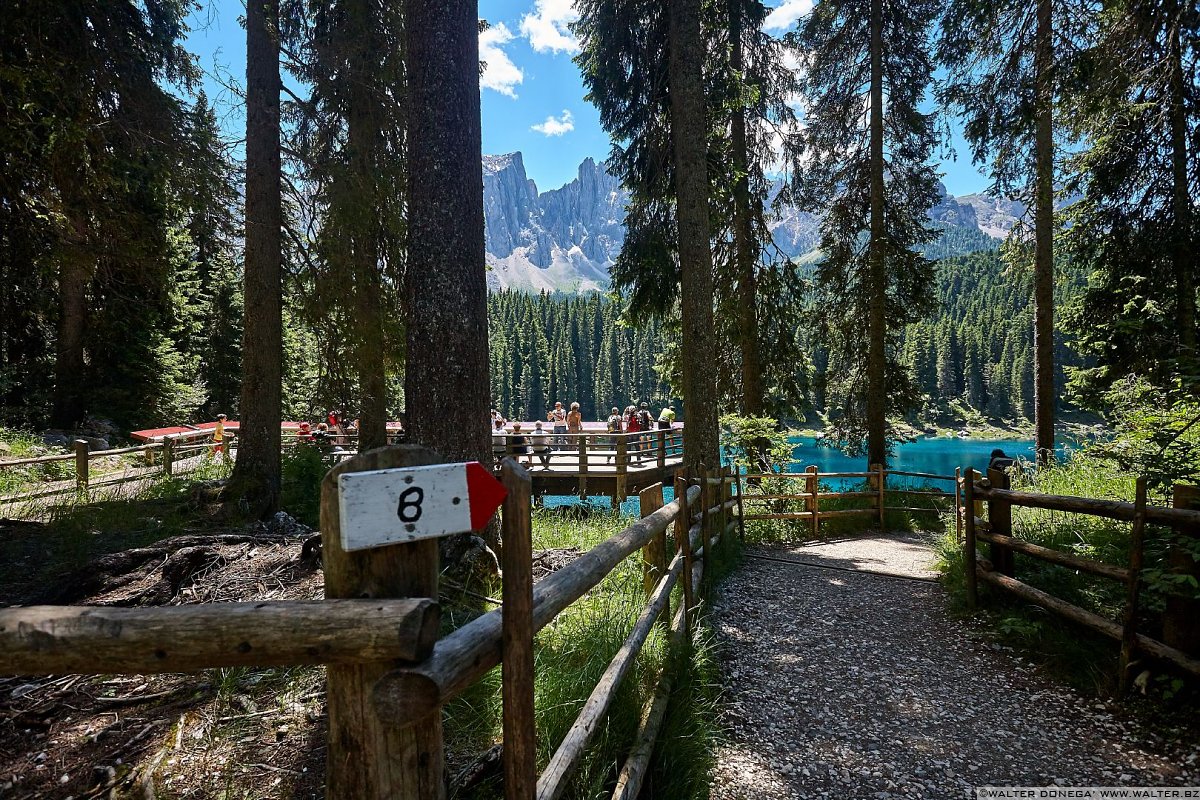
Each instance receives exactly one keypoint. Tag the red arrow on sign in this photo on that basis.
(484, 493)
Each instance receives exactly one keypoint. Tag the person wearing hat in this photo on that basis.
(666, 418)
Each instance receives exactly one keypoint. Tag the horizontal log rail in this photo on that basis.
(1088, 619)
(1055, 556)
(998, 569)
(411, 694)
(1110, 509)
(812, 496)
(57, 640)
(932, 476)
(29, 462)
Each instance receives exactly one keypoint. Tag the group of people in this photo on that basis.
(542, 443)
(335, 430)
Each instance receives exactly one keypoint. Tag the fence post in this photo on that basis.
(168, 456)
(81, 464)
(741, 505)
(705, 504)
(726, 494)
(1181, 617)
(958, 520)
(662, 448)
(1136, 552)
(877, 484)
(654, 554)
(1000, 520)
(683, 521)
(520, 735)
(970, 577)
(583, 466)
(622, 467)
(367, 757)
(811, 502)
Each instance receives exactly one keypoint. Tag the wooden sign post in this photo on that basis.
(371, 758)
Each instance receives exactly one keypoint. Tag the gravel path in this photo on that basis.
(842, 684)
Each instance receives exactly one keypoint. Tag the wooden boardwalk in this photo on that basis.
(616, 465)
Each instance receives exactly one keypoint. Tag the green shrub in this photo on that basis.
(303, 468)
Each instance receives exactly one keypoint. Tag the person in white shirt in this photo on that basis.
(558, 417)
(540, 444)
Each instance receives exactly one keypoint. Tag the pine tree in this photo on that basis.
(1140, 115)
(207, 193)
(1003, 75)
(256, 474)
(350, 136)
(882, 187)
(446, 378)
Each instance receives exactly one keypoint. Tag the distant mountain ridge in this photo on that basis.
(566, 239)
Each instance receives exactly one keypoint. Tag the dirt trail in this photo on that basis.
(844, 684)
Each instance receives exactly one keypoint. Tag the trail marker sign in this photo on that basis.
(393, 506)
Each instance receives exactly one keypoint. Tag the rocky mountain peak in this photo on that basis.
(566, 239)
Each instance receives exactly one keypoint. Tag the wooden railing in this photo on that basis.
(758, 485)
(998, 568)
(414, 695)
(594, 454)
(166, 454)
(387, 676)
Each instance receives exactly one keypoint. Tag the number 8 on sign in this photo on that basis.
(410, 504)
(392, 506)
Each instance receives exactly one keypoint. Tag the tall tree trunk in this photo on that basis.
(256, 472)
(446, 379)
(74, 274)
(689, 142)
(1181, 203)
(363, 140)
(877, 266)
(743, 237)
(1043, 232)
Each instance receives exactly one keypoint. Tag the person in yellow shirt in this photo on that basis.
(219, 437)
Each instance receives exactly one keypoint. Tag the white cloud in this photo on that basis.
(500, 74)
(785, 14)
(556, 127)
(546, 28)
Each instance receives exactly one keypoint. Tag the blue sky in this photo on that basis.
(532, 95)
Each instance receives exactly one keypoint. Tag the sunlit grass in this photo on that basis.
(570, 656)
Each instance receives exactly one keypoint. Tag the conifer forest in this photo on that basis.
(897, 298)
(163, 267)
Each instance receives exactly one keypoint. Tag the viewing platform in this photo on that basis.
(597, 463)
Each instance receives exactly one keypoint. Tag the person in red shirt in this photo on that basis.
(632, 425)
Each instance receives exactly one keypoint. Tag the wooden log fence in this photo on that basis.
(812, 495)
(388, 676)
(998, 568)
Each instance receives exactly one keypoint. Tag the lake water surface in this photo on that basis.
(937, 455)
(940, 455)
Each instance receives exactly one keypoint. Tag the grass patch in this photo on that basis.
(18, 480)
(570, 656)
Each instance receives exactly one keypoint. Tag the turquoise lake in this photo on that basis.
(940, 456)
